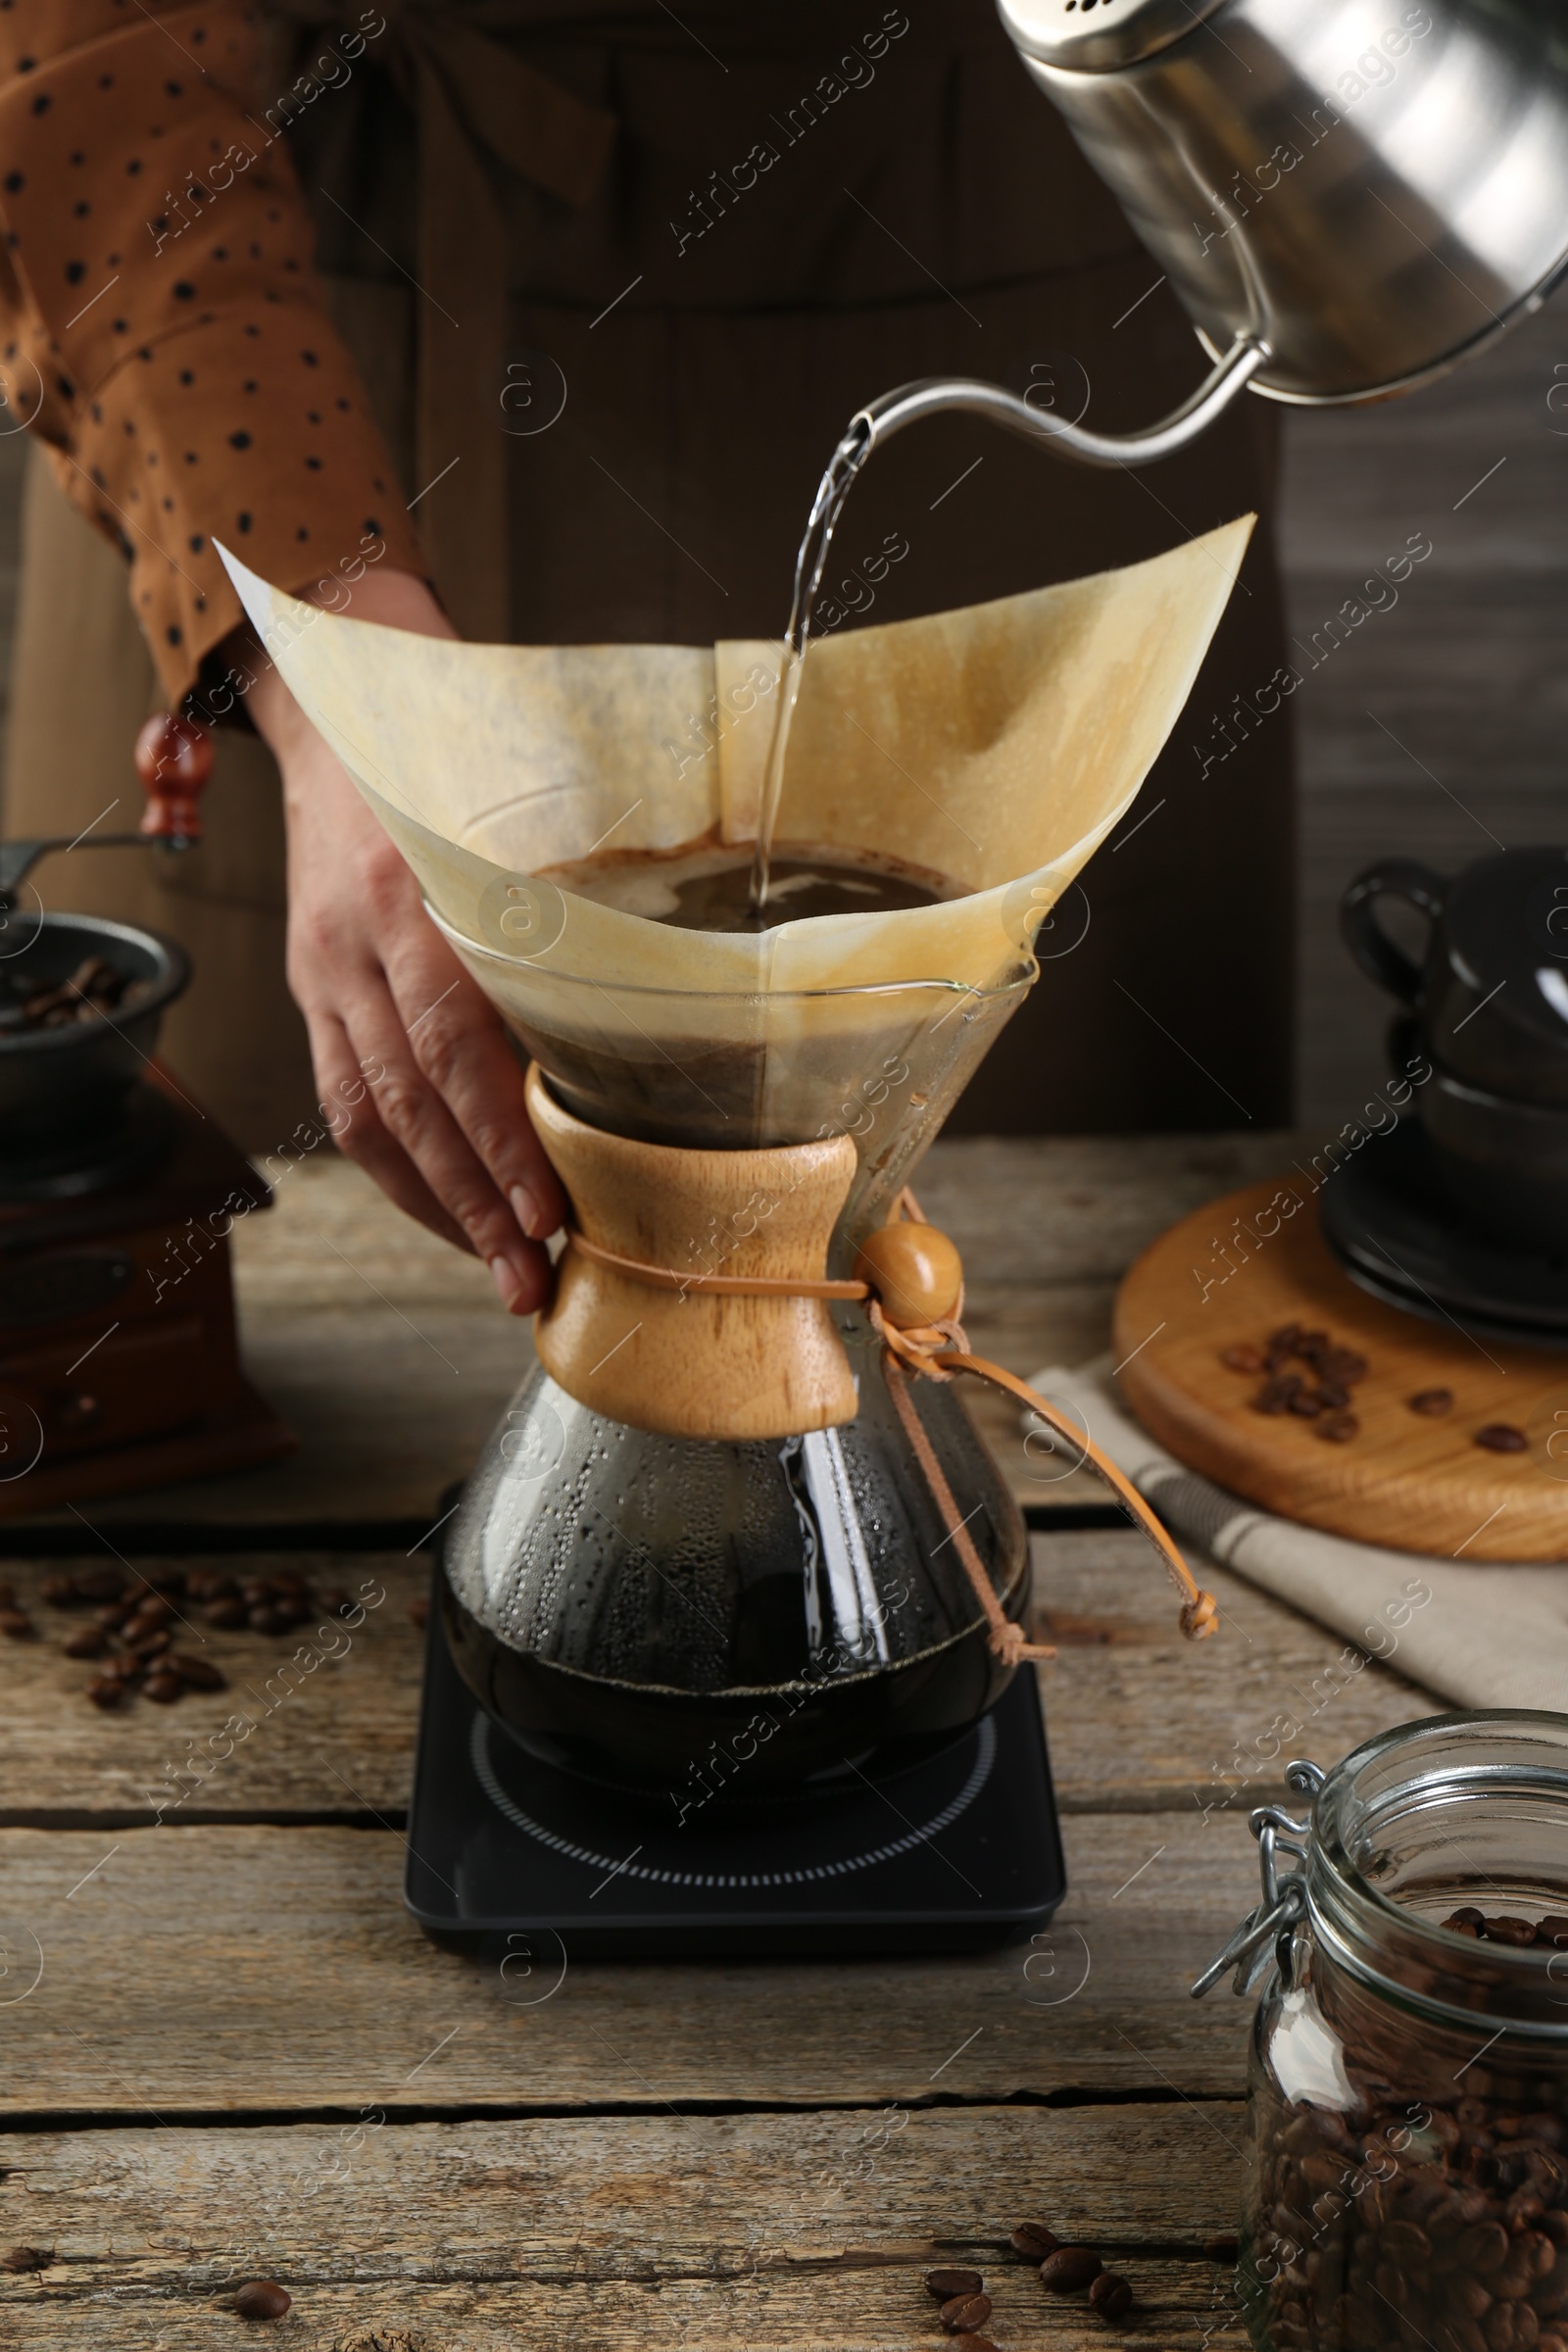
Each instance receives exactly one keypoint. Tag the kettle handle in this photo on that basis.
(935, 395)
(1388, 965)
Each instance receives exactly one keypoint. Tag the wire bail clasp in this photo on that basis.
(1275, 1919)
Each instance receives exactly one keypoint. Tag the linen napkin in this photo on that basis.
(1481, 1637)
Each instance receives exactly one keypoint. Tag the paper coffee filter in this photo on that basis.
(996, 744)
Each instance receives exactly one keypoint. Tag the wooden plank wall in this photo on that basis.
(1435, 729)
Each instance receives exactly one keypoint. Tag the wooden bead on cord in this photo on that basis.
(914, 1270)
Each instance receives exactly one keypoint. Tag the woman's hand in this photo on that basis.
(445, 1133)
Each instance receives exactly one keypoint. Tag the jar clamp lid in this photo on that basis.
(1376, 1870)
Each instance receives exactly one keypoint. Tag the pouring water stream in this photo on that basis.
(826, 507)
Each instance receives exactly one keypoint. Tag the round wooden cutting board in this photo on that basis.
(1240, 1268)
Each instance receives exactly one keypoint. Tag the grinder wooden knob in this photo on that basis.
(915, 1271)
(173, 759)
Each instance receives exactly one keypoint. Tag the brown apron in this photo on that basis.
(800, 207)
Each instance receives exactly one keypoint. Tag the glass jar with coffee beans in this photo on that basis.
(1407, 2185)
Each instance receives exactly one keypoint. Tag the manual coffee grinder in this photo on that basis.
(119, 1359)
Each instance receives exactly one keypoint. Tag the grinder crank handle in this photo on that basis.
(173, 759)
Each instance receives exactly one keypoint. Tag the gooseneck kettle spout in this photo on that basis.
(881, 418)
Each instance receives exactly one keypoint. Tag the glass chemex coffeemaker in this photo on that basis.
(732, 1608)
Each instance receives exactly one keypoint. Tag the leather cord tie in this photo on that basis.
(937, 1351)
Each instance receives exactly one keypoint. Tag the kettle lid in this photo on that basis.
(1097, 36)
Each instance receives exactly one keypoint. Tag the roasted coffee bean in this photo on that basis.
(200, 1674)
(28, 2258)
(262, 2299)
(1392, 2284)
(1510, 2327)
(1542, 2253)
(1111, 2295)
(1466, 1917)
(1034, 2241)
(1431, 1402)
(16, 1624)
(1504, 1930)
(1500, 1437)
(147, 1644)
(1338, 1428)
(333, 1602)
(99, 1584)
(228, 1615)
(943, 2285)
(1069, 2269)
(965, 2315)
(128, 1668)
(106, 1691)
(163, 1688)
(153, 1609)
(1241, 1358)
(293, 1608)
(1334, 1394)
(1406, 2239)
(1457, 2333)
(87, 1642)
(257, 1591)
(264, 1619)
(211, 1583)
(1482, 2248)
(113, 1614)
(1274, 1397)
(1306, 1404)
(62, 1593)
(1554, 1929)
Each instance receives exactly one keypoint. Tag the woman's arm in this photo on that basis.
(162, 333)
(446, 1133)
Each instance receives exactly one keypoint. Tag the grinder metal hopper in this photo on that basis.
(624, 1578)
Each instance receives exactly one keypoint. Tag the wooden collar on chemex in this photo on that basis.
(910, 1280)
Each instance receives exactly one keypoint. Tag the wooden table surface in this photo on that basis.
(229, 2053)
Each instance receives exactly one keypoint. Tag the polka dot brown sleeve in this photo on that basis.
(161, 326)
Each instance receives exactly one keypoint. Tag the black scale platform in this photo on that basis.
(956, 1851)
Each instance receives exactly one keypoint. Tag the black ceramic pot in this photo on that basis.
(1502, 1162)
(68, 1086)
(1490, 995)
(1487, 1007)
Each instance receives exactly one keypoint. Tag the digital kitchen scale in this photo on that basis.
(954, 1849)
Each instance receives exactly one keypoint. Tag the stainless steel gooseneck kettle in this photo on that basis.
(1346, 196)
